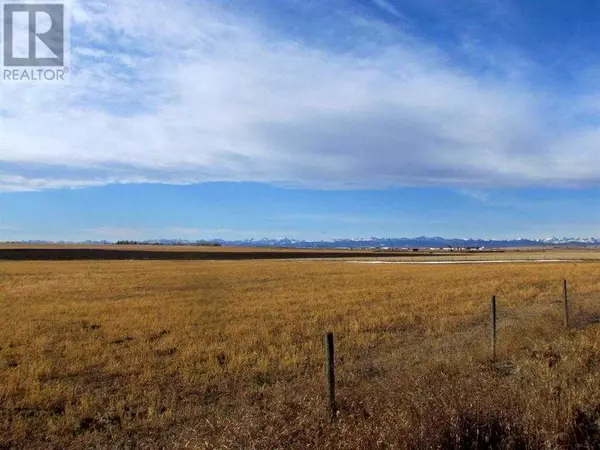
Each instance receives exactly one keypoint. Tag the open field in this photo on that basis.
(157, 252)
(57, 252)
(229, 354)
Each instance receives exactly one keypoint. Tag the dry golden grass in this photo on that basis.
(229, 355)
(583, 253)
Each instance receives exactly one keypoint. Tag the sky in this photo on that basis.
(310, 119)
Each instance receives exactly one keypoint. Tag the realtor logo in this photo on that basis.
(35, 41)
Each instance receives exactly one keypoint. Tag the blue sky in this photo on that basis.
(241, 210)
(338, 118)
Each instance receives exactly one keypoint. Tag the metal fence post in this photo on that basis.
(330, 376)
(493, 337)
(566, 300)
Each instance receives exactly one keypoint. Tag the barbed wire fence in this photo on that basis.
(568, 310)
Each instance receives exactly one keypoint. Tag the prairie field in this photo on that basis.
(229, 354)
(76, 252)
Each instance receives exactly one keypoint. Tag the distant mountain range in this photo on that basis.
(373, 242)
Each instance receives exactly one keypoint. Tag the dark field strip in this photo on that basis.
(79, 254)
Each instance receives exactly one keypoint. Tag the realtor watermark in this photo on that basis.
(35, 41)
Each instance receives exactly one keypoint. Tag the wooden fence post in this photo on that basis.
(493, 329)
(330, 376)
(566, 299)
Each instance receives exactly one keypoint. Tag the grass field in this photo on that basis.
(228, 354)
(18, 252)
(50, 252)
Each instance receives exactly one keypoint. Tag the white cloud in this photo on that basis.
(389, 8)
(175, 92)
(476, 194)
(17, 183)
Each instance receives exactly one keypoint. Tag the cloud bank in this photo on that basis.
(188, 92)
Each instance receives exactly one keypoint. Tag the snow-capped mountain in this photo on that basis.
(372, 242)
(419, 242)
